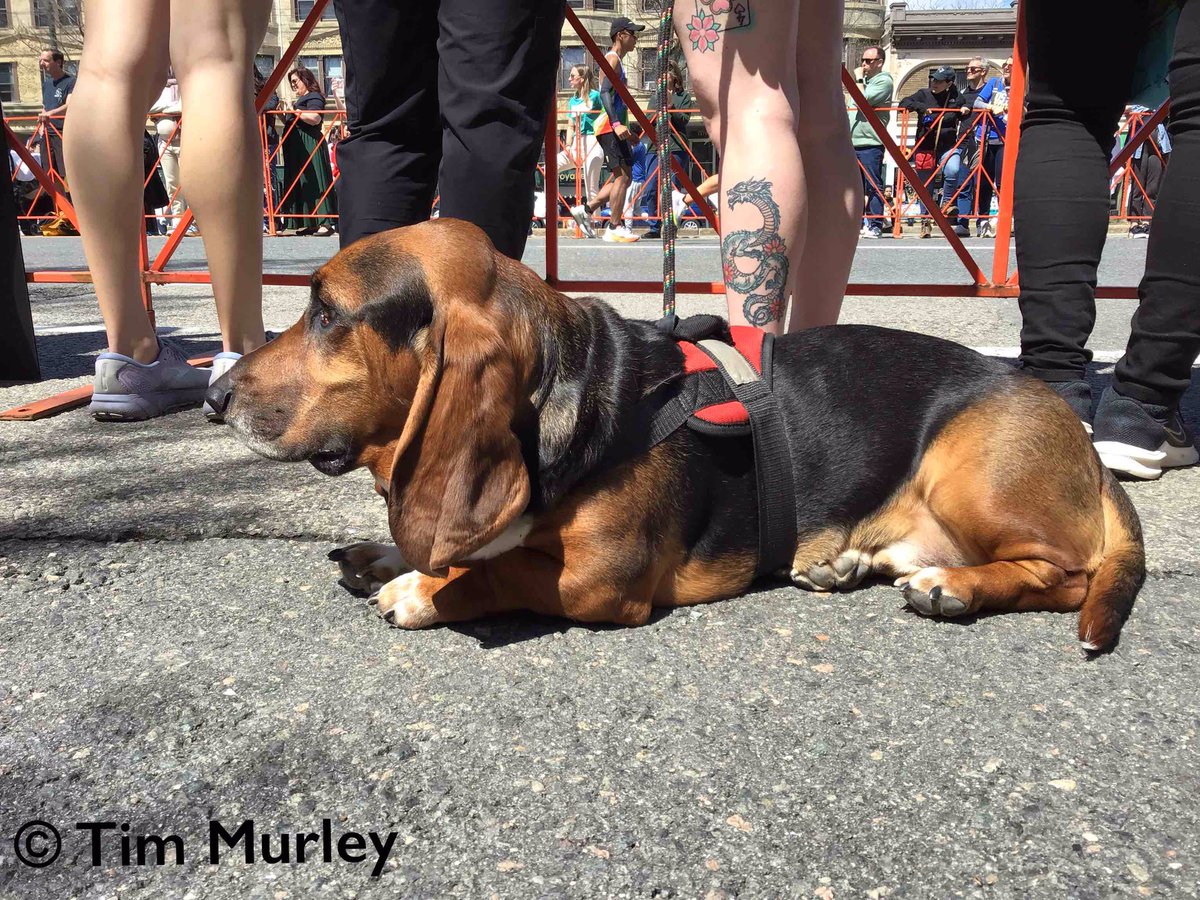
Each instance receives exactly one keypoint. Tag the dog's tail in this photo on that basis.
(1115, 584)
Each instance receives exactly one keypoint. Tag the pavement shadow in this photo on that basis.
(73, 355)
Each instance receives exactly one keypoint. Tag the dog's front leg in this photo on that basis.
(521, 579)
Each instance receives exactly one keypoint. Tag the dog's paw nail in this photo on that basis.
(373, 600)
(337, 554)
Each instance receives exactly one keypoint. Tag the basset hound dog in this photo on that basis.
(487, 406)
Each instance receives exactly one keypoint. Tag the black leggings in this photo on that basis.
(1080, 76)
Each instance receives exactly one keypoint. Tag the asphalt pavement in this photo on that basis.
(175, 652)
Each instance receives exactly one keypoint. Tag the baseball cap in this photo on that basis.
(943, 73)
(623, 24)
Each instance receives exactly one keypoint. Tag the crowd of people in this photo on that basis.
(956, 148)
(464, 107)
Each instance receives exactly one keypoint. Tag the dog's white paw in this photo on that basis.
(407, 601)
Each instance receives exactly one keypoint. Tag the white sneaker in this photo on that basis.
(221, 364)
(580, 214)
(620, 236)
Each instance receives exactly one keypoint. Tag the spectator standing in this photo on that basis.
(57, 85)
(613, 135)
(976, 78)
(167, 111)
(991, 135)
(154, 194)
(451, 95)
(680, 100)
(641, 154)
(582, 148)
(936, 147)
(868, 146)
(268, 123)
(1149, 165)
(1062, 205)
(125, 56)
(307, 175)
(30, 198)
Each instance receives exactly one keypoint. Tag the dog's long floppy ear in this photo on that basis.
(458, 478)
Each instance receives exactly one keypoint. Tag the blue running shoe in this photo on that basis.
(126, 390)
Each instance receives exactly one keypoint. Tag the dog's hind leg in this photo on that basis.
(1004, 586)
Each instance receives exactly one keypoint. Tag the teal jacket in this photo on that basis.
(878, 92)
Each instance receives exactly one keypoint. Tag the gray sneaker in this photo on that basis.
(126, 390)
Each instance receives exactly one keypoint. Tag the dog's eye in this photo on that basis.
(323, 318)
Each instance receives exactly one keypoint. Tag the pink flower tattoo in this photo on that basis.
(719, 6)
(704, 32)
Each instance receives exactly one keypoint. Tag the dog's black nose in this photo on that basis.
(219, 393)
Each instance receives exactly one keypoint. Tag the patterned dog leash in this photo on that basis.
(665, 209)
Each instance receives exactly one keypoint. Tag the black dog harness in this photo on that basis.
(727, 390)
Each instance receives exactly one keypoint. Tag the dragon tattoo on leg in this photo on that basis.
(755, 262)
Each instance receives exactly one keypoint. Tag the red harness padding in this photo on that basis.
(748, 341)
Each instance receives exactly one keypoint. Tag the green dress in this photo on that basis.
(315, 175)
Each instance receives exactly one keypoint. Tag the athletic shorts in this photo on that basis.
(616, 151)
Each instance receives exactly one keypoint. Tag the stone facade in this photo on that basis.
(920, 40)
(863, 26)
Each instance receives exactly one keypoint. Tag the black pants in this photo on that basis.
(993, 168)
(449, 96)
(1062, 199)
(1149, 170)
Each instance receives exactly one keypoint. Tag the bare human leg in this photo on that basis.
(123, 67)
(743, 70)
(212, 49)
(835, 196)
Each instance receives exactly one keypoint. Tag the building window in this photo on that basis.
(648, 65)
(3, 13)
(571, 57)
(328, 70)
(59, 13)
(575, 4)
(304, 7)
(8, 84)
(604, 5)
(265, 63)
